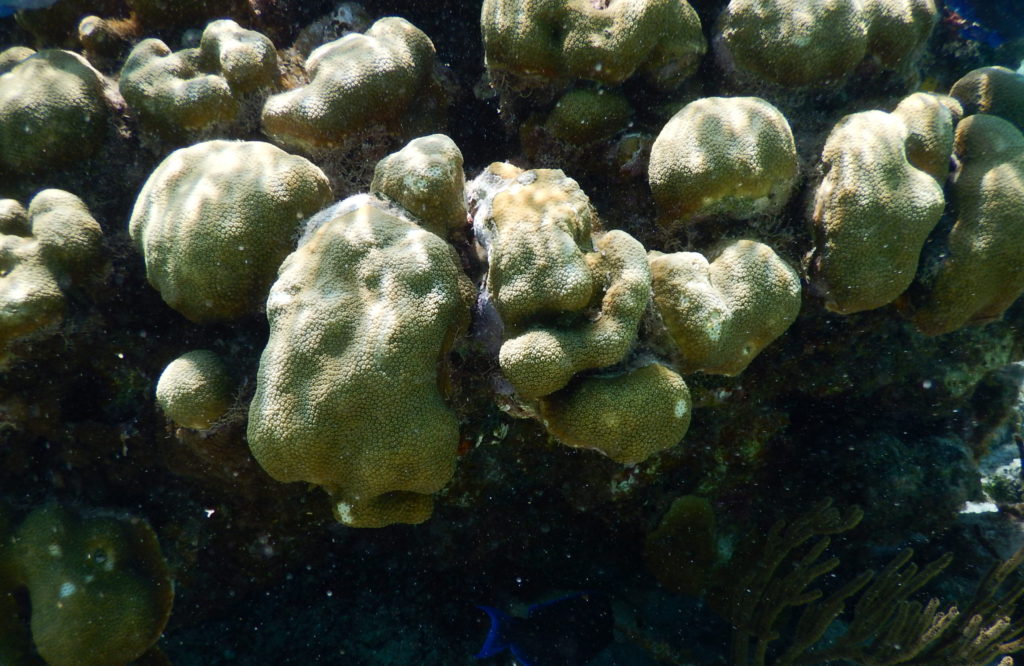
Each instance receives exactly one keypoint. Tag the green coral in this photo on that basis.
(197, 89)
(540, 42)
(53, 111)
(348, 394)
(567, 304)
(798, 43)
(584, 115)
(99, 588)
(53, 245)
(215, 220)
(721, 311)
(628, 417)
(875, 208)
(980, 274)
(195, 389)
(426, 178)
(994, 90)
(383, 78)
(729, 156)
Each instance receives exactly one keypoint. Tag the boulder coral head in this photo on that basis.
(348, 394)
(383, 78)
(215, 220)
(44, 250)
(53, 110)
(550, 42)
(723, 156)
(99, 588)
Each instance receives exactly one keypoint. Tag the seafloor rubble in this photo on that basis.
(321, 325)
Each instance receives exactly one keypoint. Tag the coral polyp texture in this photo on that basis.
(875, 207)
(723, 309)
(99, 588)
(215, 220)
(383, 79)
(425, 177)
(723, 156)
(195, 389)
(547, 42)
(803, 43)
(567, 303)
(979, 275)
(199, 89)
(53, 110)
(348, 394)
(44, 250)
(998, 91)
(628, 417)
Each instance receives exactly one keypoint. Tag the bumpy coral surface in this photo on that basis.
(383, 78)
(995, 90)
(981, 274)
(43, 250)
(348, 393)
(197, 89)
(195, 389)
(536, 226)
(426, 178)
(874, 208)
(797, 43)
(722, 310)
(544, 273)
(584, 115)
(215, 220)
(627, 417)
(52, 111)
(540, 42)
(100, 590)
(729, 156)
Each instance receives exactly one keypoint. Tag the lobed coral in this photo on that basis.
(802, 43)
(53, 110)
(722, 310)
(727, 156)
(348, 394)
(214, 221)
(875, 206)
(201, 89)
(383, 78)
(44, 250)
(99, 588)
(548, 41)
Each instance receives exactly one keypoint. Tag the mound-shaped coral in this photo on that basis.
(980, 273)
(722, 310)
(426, 178)
(994, 90)
(177, 93)
(627, 417)
(348, 392)
(383, 79)
(215, 220)
(566, 305)
(547, 42)
(54, 244)
(53, 111)
(798, 43)
(729, 156)
(875, 207)
(195, 389)
(100, 590)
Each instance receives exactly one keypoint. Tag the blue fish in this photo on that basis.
(568, 631)
(9, 7)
